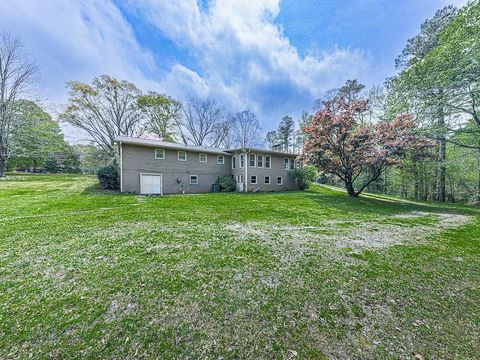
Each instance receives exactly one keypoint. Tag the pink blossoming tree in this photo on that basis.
(340, 143)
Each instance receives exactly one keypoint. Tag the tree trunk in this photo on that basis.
(443, 155)
(351, 191)
(416, 181)
(3, 166)
(478, 185)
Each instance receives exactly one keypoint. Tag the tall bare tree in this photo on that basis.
(247, 129)
(104, 110)
(16, 75)
(203, 123)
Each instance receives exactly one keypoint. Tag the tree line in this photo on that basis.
(355, 137)
(437, 86)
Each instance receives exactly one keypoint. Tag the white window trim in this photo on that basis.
(292, 162)
(269, 179)
(240, 166)
(221, 157)
(286, 164)
(234, 162)
(121, 167)
(281, 180)
(269, 162)
(263, 160)
(191, 179)
(160, 158)
(178, 156)
(256, 180)
(254, 160)
(200, 158)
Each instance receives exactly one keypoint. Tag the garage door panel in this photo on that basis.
(151, 184)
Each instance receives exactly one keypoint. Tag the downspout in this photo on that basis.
(121, 167)
(245, 163)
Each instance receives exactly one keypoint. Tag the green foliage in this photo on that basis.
(227, 183)
(304, 176)
(37, 141)
(109, 176)
(91, 158)
(104, 110)
(135, 277)
(163, 114)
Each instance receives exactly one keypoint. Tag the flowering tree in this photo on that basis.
(340, 143)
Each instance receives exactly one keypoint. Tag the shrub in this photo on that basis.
(226, 183)
(304, 176)
(109, 177)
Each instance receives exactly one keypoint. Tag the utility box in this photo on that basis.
(215, 188)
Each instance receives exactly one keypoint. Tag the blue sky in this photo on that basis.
(273, 57)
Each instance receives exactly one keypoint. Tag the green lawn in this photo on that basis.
(85, 274)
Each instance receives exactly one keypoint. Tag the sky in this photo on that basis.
(274, 57)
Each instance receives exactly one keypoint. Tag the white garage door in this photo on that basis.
(150, 184)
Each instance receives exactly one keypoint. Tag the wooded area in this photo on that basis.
(435, 95)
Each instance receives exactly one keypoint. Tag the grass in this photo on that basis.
(88, 274)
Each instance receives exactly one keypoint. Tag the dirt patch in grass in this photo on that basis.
(355, 234)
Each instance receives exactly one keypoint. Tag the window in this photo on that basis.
(267, 161)
(260, 161)
(202, 157)
(285, 164)
(182, 156)
(279, 180)
(159, 154)
(242, 160)
(240, 178)
(252, 160)
(234, 162)
(220, 159)
(193, 179)
(267, 180)
(292, 164)
(253, 179)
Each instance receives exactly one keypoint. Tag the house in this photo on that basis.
(159, 167)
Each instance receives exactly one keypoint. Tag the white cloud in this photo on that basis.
(76, 41)
(244, 58)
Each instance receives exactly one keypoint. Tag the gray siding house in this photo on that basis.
(158, 167)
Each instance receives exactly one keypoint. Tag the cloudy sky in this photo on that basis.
(271, 56)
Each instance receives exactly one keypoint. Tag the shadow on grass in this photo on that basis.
(380, 204)
(95, 189)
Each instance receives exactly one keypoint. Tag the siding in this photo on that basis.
(141, 159)
(274, 171)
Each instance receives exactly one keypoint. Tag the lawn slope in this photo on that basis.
(278, 275)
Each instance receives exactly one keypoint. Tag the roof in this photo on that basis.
(206, 149)
(169, 145)
(265, 151)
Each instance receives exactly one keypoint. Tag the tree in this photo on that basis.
(358, 153)
(285, 132)
(16, 74)
(104, 110)
(35, 137)
(304, 176)
(351, 91)
(414, 81)
(91, 158)
(203, 123)
(453, 65)
(272, 139)
(247, 129)
(163, 115)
